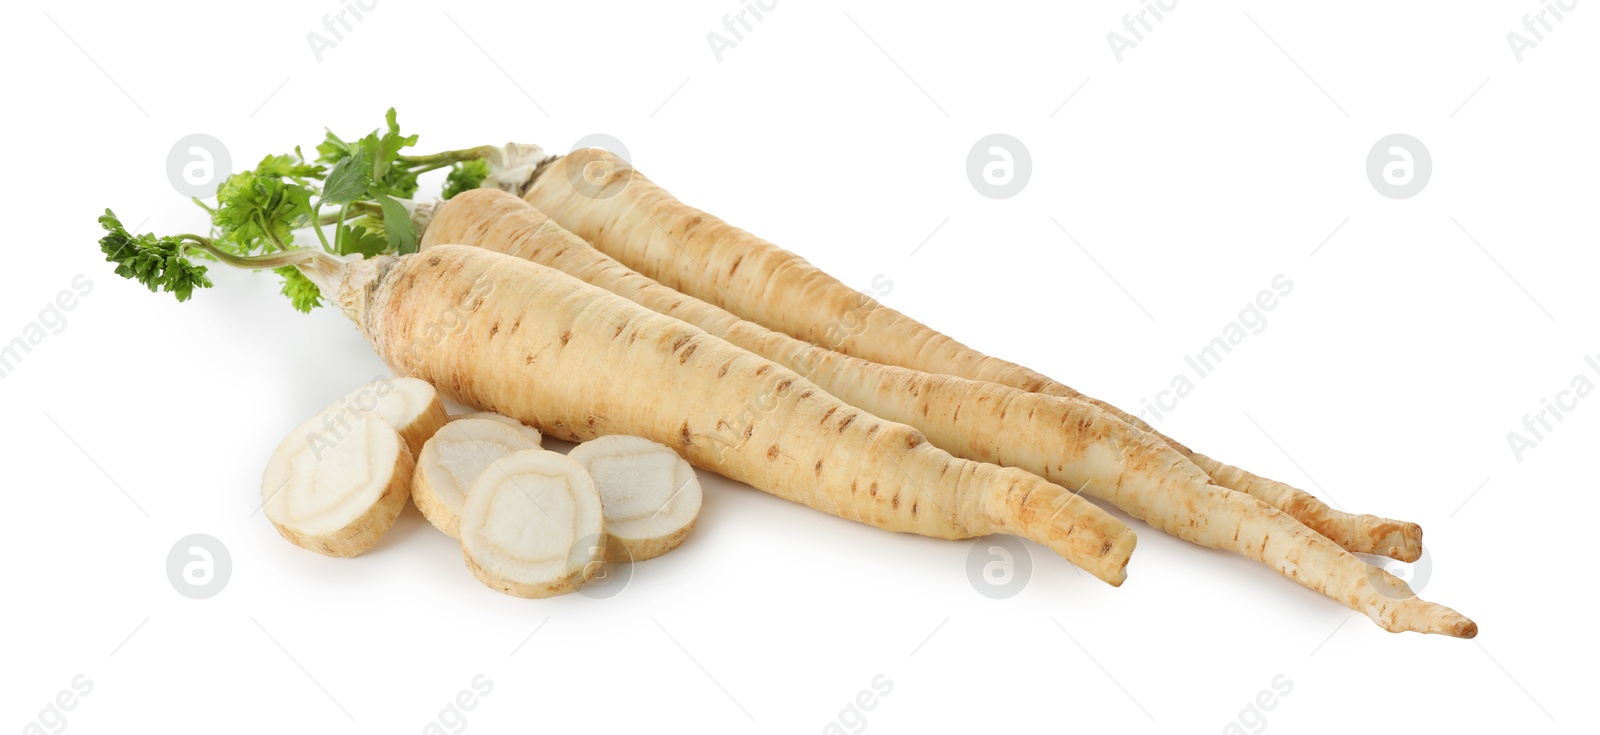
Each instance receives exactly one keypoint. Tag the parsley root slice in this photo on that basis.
(411, 406)
(1069, 442)
(504, 334)
(337, 495)
(602, 199)
(454, 458)
(532, 525)
(651, 497)
(528, 431)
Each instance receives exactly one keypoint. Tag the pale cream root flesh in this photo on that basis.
(650, 495)
(413, 408)
(454, 458)
(532, 433)
(410, 405)
(532, 525)
(337, 496)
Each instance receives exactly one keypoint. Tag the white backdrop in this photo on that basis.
(1227, 147)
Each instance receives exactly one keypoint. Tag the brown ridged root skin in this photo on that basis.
(364, 532)
(1367, 534)
(640, 224)
(1068, 442)
(577, 362)
(1065, 441)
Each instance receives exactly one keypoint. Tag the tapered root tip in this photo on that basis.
(1419, 615)
(1459, 626)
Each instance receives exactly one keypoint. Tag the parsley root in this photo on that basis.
(453, 459)
(526, 430)
(334, 485)
(602, 199)
(650, 495)
(340, 496)
(532, 525)
(411, 406)
(1065, 441)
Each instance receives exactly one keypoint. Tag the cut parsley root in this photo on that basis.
(650, 496)
(528, 431)
(339, 495)
(604, 200)
(532, 525)
(453, 459)
(318, 487)
(411, 406)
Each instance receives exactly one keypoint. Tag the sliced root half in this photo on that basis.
(337, 497)
(410, 405)
(532, 433)
(454, 457)
(532, 525)
(651, 496)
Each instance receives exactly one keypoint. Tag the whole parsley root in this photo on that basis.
(602, 199)
(1072, 443)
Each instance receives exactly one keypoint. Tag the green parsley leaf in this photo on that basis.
(290, 167)
(301, 291)
(348, 180)
(158, 263)
(256, 214)
(397, 226)
(333, 149)
(465, 176)
(381, 149)
(359, 239)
